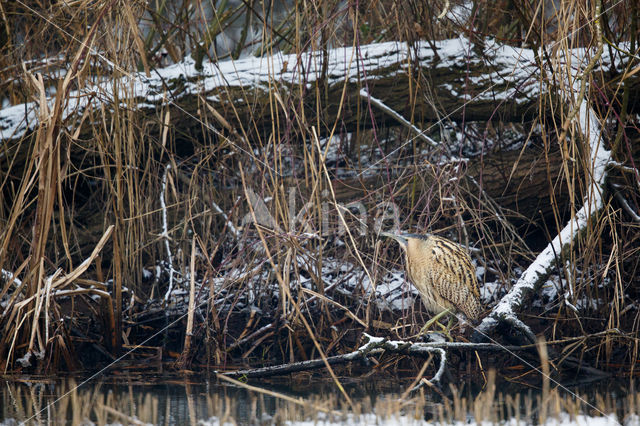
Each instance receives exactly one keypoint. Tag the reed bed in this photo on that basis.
(111, 216)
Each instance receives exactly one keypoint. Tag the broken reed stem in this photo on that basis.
(298, 401)
(30, 308)
(117, 288)
(406, 123)
(165, 231)
(192, 305)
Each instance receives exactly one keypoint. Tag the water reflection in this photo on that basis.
(193, 400)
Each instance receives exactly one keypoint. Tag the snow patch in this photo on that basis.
(399, 419)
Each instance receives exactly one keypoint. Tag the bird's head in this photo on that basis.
(400, 238)
(403, 237)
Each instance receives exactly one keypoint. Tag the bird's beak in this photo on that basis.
(400, 239)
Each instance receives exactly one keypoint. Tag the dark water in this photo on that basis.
(127, 399)
(173, 399)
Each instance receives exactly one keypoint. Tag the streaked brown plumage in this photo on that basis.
(442, 272)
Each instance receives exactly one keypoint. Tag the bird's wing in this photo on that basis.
(456, 259)
(455, 278)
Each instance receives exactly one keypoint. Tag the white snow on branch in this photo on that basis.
(377, 102)
(374, 342)
(165, 231)
(589, 128)
(227, 221)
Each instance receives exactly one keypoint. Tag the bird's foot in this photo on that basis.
(435, 320)
(431, 337)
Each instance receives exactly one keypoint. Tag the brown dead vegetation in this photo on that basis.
(80, 209)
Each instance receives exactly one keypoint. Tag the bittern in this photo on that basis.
(443, 274)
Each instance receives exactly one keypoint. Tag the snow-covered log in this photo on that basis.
(500, 84)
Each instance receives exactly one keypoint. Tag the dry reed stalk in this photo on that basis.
(418, 378)
(286, 292)
(483, 403)
(46, 164)
(297, 401)
(336, 304)
(9, 283)
(30, 308)
(186, 352)
(119, 415)
(546, 371)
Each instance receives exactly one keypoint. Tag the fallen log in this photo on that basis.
(373, 346)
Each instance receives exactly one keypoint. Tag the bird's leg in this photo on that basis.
(433, 321)
(447, 330)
